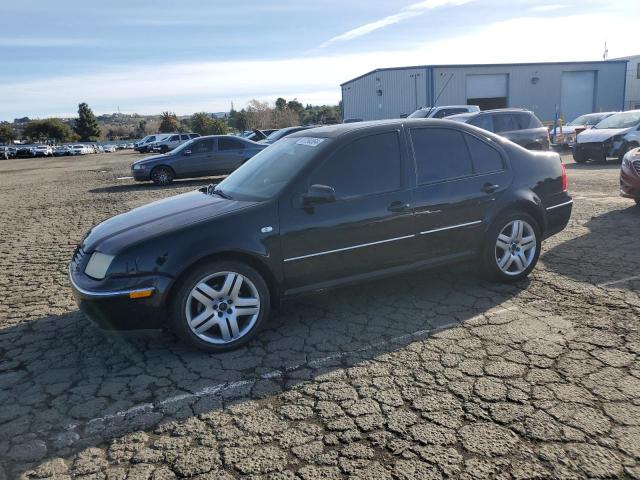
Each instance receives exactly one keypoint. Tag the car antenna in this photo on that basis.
(438, 97)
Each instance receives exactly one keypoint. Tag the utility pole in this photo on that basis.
(605, 55)
(415, 88)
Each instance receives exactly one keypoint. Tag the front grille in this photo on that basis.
(636, 166)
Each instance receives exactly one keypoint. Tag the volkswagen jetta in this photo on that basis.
(319, 209)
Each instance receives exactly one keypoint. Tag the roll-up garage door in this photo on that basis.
(577, 94)
(488, 90)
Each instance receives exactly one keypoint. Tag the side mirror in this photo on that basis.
(318, 194)
(187, 152)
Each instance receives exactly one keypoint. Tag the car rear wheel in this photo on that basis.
(162, 175)
(220, 306)
(512, 247)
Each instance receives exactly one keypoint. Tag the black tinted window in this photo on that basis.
(366, 166)
(505, 122)
(482, 121)
(229, 144)
(441, 154)
(485, 158)
(202, 146)
(449, 111)
(174, 138)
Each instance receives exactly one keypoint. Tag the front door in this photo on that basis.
(368, 227)
(459, 176)
(193, 159)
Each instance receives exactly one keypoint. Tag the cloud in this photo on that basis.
(211, 86)
(413, 10)
(548, 8)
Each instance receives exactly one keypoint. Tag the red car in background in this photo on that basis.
(630, 175)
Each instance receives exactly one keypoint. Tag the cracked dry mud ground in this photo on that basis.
(430, 375)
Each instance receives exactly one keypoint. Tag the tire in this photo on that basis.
(162, 176)
(580, 157)
(637, 200)
(198, 318)
(515, 253)
(629, 146)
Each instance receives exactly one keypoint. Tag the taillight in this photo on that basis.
(565, 180)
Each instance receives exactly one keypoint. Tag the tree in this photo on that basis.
(86, 126)
(241, 121)
(168, 122)
(141, 129)
(48, 129)
(203, 124)
(7, 133)
(295, 105)
(281, 103)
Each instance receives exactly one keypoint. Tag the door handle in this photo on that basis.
(399, 207)
(489, 187)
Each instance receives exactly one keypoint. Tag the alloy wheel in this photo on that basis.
(222, 307)
(515, 247)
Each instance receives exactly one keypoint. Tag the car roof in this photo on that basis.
(340, 129)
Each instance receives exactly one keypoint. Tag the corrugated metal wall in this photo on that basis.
(399, 88)
(385, 94)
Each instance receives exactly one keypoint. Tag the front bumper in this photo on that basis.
(600, 150)
(108, 304)
(141, 175)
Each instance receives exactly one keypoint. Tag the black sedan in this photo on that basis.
(200, 157)
(318, 209)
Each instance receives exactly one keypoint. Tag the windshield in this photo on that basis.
(183, 146)
(581, 120)
(267, 173)
(420, 113)
(620, 120)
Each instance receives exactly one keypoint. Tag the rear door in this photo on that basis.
(368, 228)
(458, 177)
(230, 153)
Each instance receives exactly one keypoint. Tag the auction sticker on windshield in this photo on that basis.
(310, 141)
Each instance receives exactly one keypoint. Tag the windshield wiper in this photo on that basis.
(213, 190)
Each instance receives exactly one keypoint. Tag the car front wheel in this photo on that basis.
(220, 306)
(512, 247)
(579, 157)
(162, 175)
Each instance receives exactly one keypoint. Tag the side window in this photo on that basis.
(174, 138)
(505, 122)
(441, 154)
(439, 113)
(194, 135)
(229, 144)
(184, 137)
(452, 111)
(202, 146)
(366, 166)
(484, 122)
(485, 157)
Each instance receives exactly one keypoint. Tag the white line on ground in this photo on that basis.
(622, 280)
(123, 178)
(219, 388)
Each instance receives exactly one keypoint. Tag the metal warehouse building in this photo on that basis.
(575, 87)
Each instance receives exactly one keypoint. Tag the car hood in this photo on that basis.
(150, 159)
(158, 218)
(600, 134)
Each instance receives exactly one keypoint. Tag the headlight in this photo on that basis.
(138, 167)
(98, 265)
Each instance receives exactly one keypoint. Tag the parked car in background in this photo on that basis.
(256, 135)
(172, 141)
(79, 149)
(43, 151)
(569, 131)
(352, 120)
(443, 111)
(283, 132)
(612, 137)
(12, 151)
(630, 175)
(143, 145)
(108, 148)
(518, 125)
(25, 151)
(319, 209)
(4, 153)
(62, 150)
(200, 157)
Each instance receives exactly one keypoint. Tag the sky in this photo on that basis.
(146, 57)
